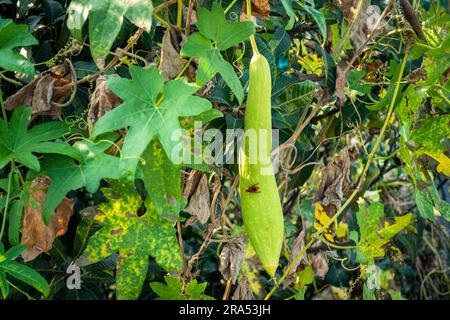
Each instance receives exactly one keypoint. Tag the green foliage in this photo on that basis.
(112, 152)
(216, 35)
(12, 36)
(297, 95)
(150, 109)
(174, 290)
(19, 271)
(17, 143)
(163, 182)
(67, 174)
(105, 19)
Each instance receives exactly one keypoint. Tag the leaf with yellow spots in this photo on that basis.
(134, 237)
(372, 240)
(321, 220)
(429, 138)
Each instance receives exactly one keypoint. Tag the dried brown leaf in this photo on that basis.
(297, 246)
(48, 92)
(191, 183)
(365, 21)
(199, 202)
(171, 64)
(341, 81)
(319, 264)
(36, 234)
(243, 290)
(103, 100)
(193, 16)
(336, 183)
(260, 8)
(231, 258)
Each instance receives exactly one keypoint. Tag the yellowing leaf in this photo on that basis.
(370, 245)
(321, 220)
(342, 230)
(444, 162)
(134, 237)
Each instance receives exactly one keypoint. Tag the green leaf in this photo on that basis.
(163, 182)
(15, 219)
(4, 287)
(330, 70)
(424, 203)
(428, 200)
(67, 174)
(413, 98)
(25, 274)
(170, 291)
(297, 95)
(173, 290)
(105, 21)
(354, 77)
(11, 37)
(217, 34)
(85, 229)
(318, 18)
(134, 237)
(13, 252)
(150, 109)
(287, 5)
(18, 143)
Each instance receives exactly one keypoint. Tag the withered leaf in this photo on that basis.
(191, 183)
(336, 183)
(341, 81)
(48, 92)
(365, 22)
(231, 258)
(36, 234)
(319, 264)
(260, 8)
(193, 18)
(103, 100)
(171, 63)
(243, 290)
(199, 202)
(297, 246)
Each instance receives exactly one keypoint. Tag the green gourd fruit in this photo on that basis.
(260, 201)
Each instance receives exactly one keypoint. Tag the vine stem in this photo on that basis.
(252, 37)
(226, 295)
(8, 195)
(230, 6)
(2, 105)
(186, 65)
(179, 14)
(371, 156)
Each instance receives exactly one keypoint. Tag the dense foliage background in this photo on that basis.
(360, 94)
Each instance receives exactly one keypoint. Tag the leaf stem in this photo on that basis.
(371, 156)
(8, 195)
